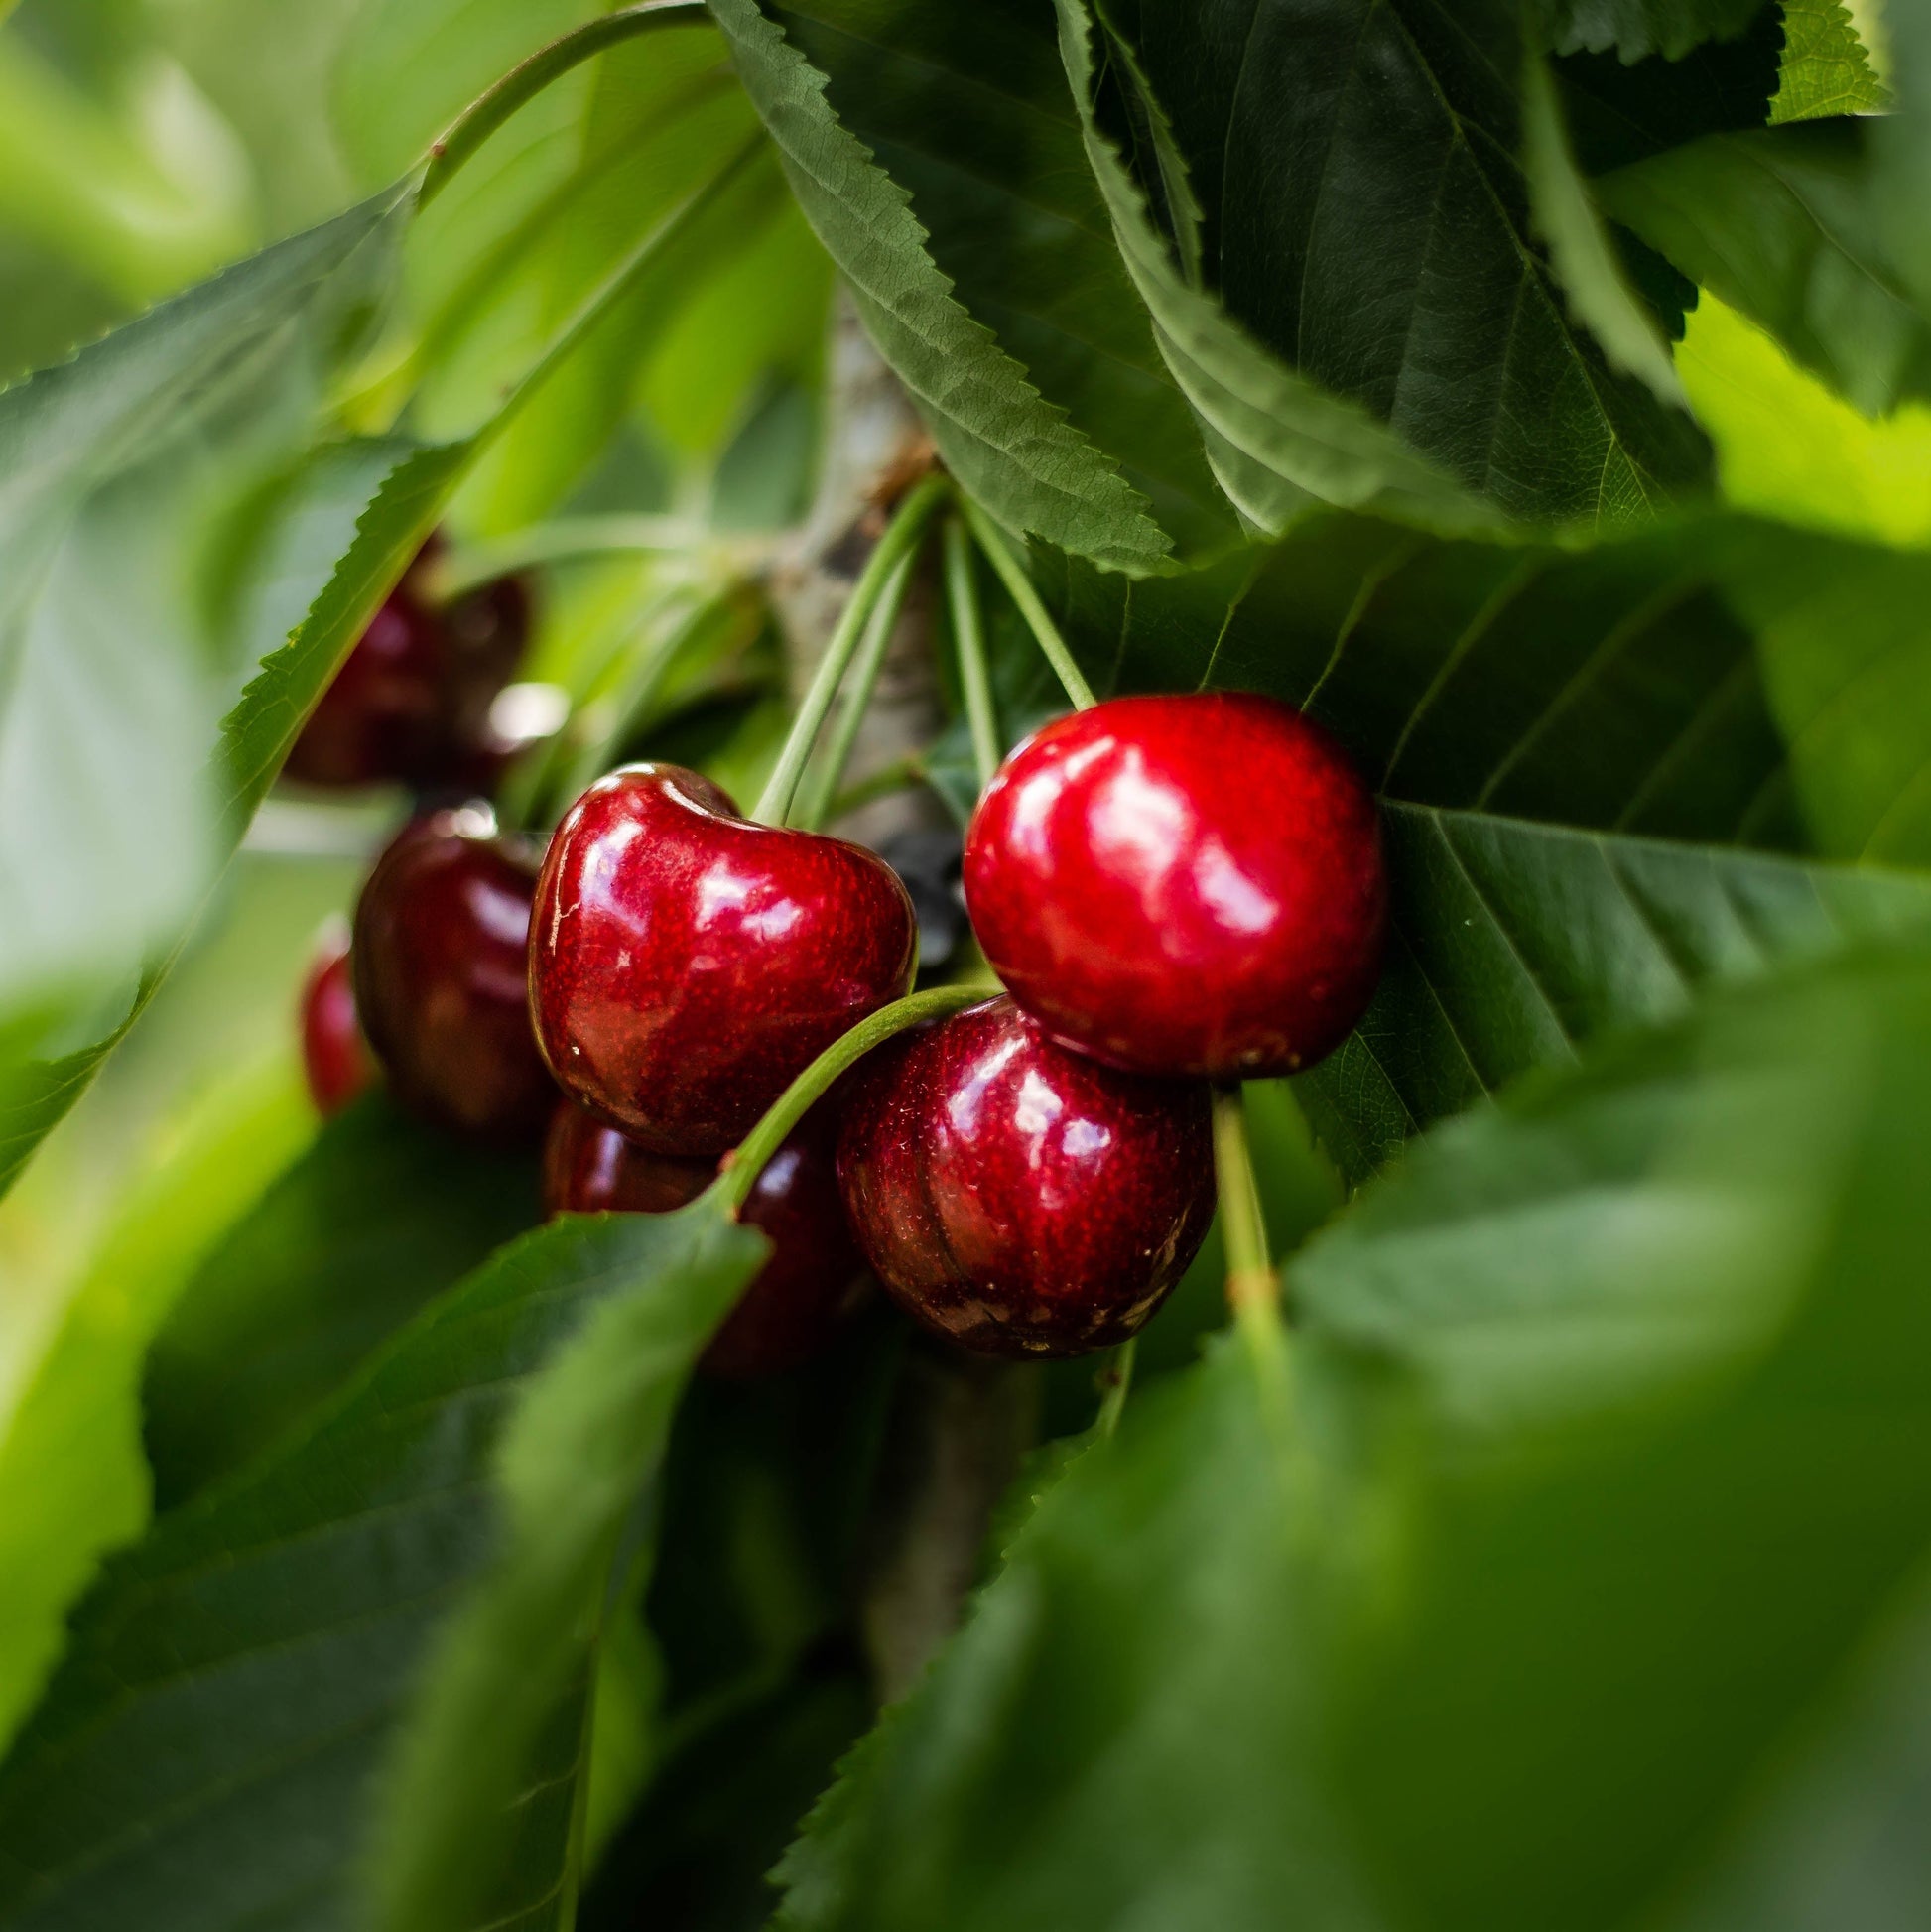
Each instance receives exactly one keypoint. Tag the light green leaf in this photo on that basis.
(72, 1467)
(417, 1571)
(1015, 453)
(1824, 70)
(1781, 225)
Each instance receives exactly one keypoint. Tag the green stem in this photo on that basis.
(901, 533)
(791, 1106)
(898, 776)
(616, 285)
(1118, 1381)
(1253, 1288)
(821, 788)
(1012, 574)
(962, 598)
(490, 109)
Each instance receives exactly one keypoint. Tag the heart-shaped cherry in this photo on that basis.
(1182, 885)
(815, 1275)
(442, 937)
(685, 962)
(411, 702)
(335, 1055)
(1019, 1197)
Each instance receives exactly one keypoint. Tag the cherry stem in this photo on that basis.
(998, 553)
(974, 680)
(1253, 1286)
(821, 789)
(1118, 1381)
(740, 1174)
(904, 530)
(491, 109)
(900, 775)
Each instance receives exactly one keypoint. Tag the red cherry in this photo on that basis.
(815, 1273)
(442, 934)
(1184, 885)
(335, 1055)
(1017, 1198)
(411, 702)
(685, 963)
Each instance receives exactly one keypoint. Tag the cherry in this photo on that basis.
(1182, 885)
(335, 1055)
(412, 700)
(441, 933)
(1019, 1197)
(685, 962)
(815, 1273)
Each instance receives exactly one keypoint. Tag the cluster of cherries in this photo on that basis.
(1174, 890)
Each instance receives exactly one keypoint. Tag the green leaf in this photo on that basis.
(396, 1609)
(967, 111)
(1780, 224)
(1275, 440)
(110, 467)
(1580, 248)
(70, 1461)
(1826, 69)
(1635, 28)
(1366, 220)
(1903, 149)
(377, 1218)
(1012, 449)
(1502, 1612)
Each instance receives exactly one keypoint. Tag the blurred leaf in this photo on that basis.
(441, 1533)
(103, 462)
(1780, 224)
(1275, 440)
(1592, 279)
(1635, 28)
(1901, 149)
(70, 1465)
(1012, 449)
(406, 67)
(1495, 1616)
(376, 1220)
(966, 109)
(1826, 69)
(1788, 447)
(1366, 220)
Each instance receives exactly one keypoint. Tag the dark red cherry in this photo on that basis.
(412, 700)
(335, 1055)
(685, 963)
(815, 1273)
(1019, 1197)
(1184, 885)
(441, 936)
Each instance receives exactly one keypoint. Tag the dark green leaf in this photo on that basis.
(1366, 220)
(374, 1222)
(1275, 439)
(1780, 224)
(1498, 1611)
(1012, 449)
(412, 1583)
(966, 109)
(1634, 28)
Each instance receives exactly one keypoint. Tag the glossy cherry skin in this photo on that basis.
(411, 702)
(1188, 885)
(335, 1055)
(815, 1275)
(442, 935)
(1019, 1197)
(685, 963)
